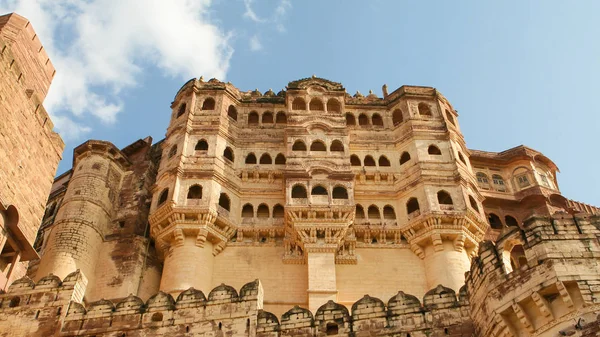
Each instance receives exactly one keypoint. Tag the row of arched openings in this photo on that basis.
(318, 145)
(299, 192)
(496, 222)
(265, 159)
(374, 213)
(266, 118)
(315, 104)
(383, 161)
(262, 211)
(208, 104)
(195, 193)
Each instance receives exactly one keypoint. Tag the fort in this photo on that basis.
(307, 212)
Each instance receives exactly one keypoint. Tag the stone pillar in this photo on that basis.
(188, 264)
(322, 285)
(446, 265)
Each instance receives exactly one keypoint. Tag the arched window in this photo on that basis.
(299, 146)
(377, 120)
(397, 117)
(350, 119)
(354, 160)
(281, 118)
(461, 158)
(318, 145)
(163, 197)
(181, 110)
(389, 213)
(369, 161)
(298, 191)
(250, 159)
(266, 159)
(363, 120)
(434, 150)
(450, 117)
(482, 178)
(157, 317)
(224, 201)
(228, 153)
(278, 211)
(510, 221)
(333, 105)
(195, 192)
(262, 211)
(202, 145)
(316, 105)
(412, 205)
(339, 192)
(360, 212)
(173, 151)
(373, 212)
(404, 157)
(209, 104)
(424, 109)
(494, 221)
(473, 204)
(280, 159)
(253, 118)
(517, 257)
(336, 146)
(383, 161)
(298, 104)
(248, 211)
(232, 112)
(318, 190)
(498, 182)
(267, 117)
(444, 198)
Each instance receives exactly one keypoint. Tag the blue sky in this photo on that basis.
(518, 72)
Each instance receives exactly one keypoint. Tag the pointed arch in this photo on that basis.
(265, 159)
(228, 153)
(444, 198)
(405, 157)
(369, 161)
(248, 211)
(360, 212)
(336, 146)
(434, 150)
(373, 212)
(280, 159)
(208, 104)
(355, 161)
(163, 196)
(511, 221)
(397, 117)
(263, 211)
(412, 205)
(224, 201)
(389, 213)
(195, 192)
(278, 211)
(424, 109)
(383, 161)
(494, 221)
(232, 112)
(181, 110)
(201, 145)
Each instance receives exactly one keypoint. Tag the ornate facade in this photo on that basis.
(320, 197)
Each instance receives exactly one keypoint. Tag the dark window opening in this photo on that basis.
(383, 161)
(332, 329)
(318, 190)
(397, 117)
(336, 146)
(267, 118)
(232, 112)
(250, 159)
(333, 105)
(209, 104)
(424, 109)
(248, 211)
(253, 118)
(373, 212)
(339, 192)
(280, 159)
(350, 119)
(444, 198)
(299, 191)
(298, 104)
(262, 211)
(510, 221)
(281, 118)
(163, 196)
(299, 146)
(369, 161)
(412, 205)
(434, 150)
(404, 157)
(228, 153)
(224, 201)
(181, 110)
(202, 145)
(278, 211)
(473, 203)
(360, 212)
(316, 105)
(354, 160)
(389, 213)
(377, 120)
(265, 159)
(195, 192)
(318, 146)
(363, 120)
(494, 221)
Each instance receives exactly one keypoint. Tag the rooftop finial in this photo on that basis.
(314, 76)
(201, 79)
(385, 91)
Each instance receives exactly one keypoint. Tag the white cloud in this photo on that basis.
(249, 13)
(255, 44)
(108, 45)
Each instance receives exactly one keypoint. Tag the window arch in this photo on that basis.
(318, 145)
(228, 153)
(299, 191)
(263, 211)
(424, 109)
(298, 104)
(369, 161)
(482, 178)
(339, 192)
(444, 198)
(253, 118)
(280, 159)
(404, 157)
(299, 146)
(389, 213)
(208, 104)
(232, 112)
(278, 211)
(281, 118)
(450, 117)
(248, 211)
(267, 117)
(511, 221)
(494, 221)
(517, 257)
(498, 182)
(383, 161)
(173, 151)
(397, 117)
(434, 150)
(461, 158)
(360, 212)
(224, 201)
(181, 110)
(202, 145)
(355, 161)
(316, 105)
(250, 158)
(162, 198)
(412, 205)
(333, 105)
(377, 120)
(350, 119)
(195, 192)
(363, 120)
(336, 146)
(373, 212)
(473, 203)
(318, 190)
(265, 159)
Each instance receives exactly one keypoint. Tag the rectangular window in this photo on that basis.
(523, 181)
(544, 180)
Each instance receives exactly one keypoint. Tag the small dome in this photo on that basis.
(101, 306)
(161, 301)
(223, 293)
(131, 302)
(439, 297)
(191, 295)
(50, 281)
(22, 283)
